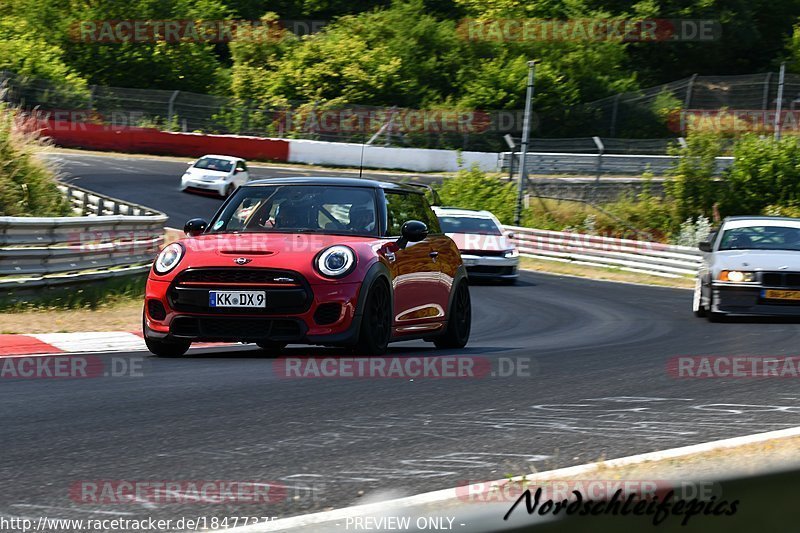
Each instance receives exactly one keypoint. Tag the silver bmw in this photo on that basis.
(751, 266)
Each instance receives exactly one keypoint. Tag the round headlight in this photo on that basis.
(336, 261)
(168, 258)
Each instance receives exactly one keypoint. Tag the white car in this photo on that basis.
(751, 266)
(485, 248)
(215, 173)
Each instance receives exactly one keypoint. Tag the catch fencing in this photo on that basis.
(111, 238)
(644, 257)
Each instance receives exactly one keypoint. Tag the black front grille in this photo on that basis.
(781, 279)
(287, 292)
(237, 329)
(239, 275)
(493, 270)
(327, 313)
(156, 310)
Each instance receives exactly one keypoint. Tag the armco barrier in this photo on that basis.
(626, 254)
(414, 159)
(113, 238)
(596, 164)
(153, 141)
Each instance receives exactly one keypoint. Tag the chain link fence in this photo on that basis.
(643, 122)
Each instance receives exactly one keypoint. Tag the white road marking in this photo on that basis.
(451, 495)
(95, 341)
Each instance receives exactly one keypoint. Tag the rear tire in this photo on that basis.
(459, 322)
(376, 321)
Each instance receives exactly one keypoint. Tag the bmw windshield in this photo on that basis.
(761, 238)
(299, 209)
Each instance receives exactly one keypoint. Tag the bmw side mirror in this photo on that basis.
(510, 234)
(704, 246)
(412, 231)
(195, 227)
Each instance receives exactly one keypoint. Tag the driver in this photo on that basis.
(291, 215)
(362, 218)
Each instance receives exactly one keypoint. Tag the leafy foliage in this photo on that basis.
(473, 189)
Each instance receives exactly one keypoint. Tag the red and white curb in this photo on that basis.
(83, 342)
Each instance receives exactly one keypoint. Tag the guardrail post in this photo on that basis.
(600, 150)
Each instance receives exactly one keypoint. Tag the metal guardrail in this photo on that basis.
(634, 256)
(111, 238)
(596, 164)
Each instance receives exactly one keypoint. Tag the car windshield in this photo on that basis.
(761, 238)
(300, 209)
(475, 225)
(213, 163)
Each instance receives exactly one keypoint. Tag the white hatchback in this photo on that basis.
(220, 174)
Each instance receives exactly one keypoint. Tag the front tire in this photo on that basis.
(376, 321)
(459, 322)
(164, 348)
(272, 348)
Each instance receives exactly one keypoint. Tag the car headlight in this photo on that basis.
(737, 276)
(168, 258)
(336, 261)
(511, 253)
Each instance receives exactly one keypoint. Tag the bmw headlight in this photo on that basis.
(737, 276)
(168, 258)
(509, 254)
(336, 261)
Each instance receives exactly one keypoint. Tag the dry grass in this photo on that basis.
(121, 316)
(605, 274)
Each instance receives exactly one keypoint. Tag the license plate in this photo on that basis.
(237, 299)
(780, 295)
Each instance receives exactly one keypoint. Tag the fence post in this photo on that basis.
(779, 103)
(171, 108)
(600, 150)
(689, 88)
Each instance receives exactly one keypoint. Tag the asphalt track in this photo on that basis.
(598, 386)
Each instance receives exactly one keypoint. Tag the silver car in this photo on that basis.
(486, 249)
(751, 266)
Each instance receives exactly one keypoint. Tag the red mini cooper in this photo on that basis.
(325, 261)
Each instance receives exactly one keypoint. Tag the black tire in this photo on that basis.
(271, 347)
(161, 348)
(228, 190)
(459, 321)
(164, 348)
(376, 321)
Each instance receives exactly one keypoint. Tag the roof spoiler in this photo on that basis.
(434, 196)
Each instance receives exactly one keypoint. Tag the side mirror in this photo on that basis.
(195, 227)
(705, 246)
(510, 234)
(412, 231)
(238, 170)
(190, 163)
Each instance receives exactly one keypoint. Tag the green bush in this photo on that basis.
(473, 189)
(27, 184)
(692, 183)
(765, 172)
